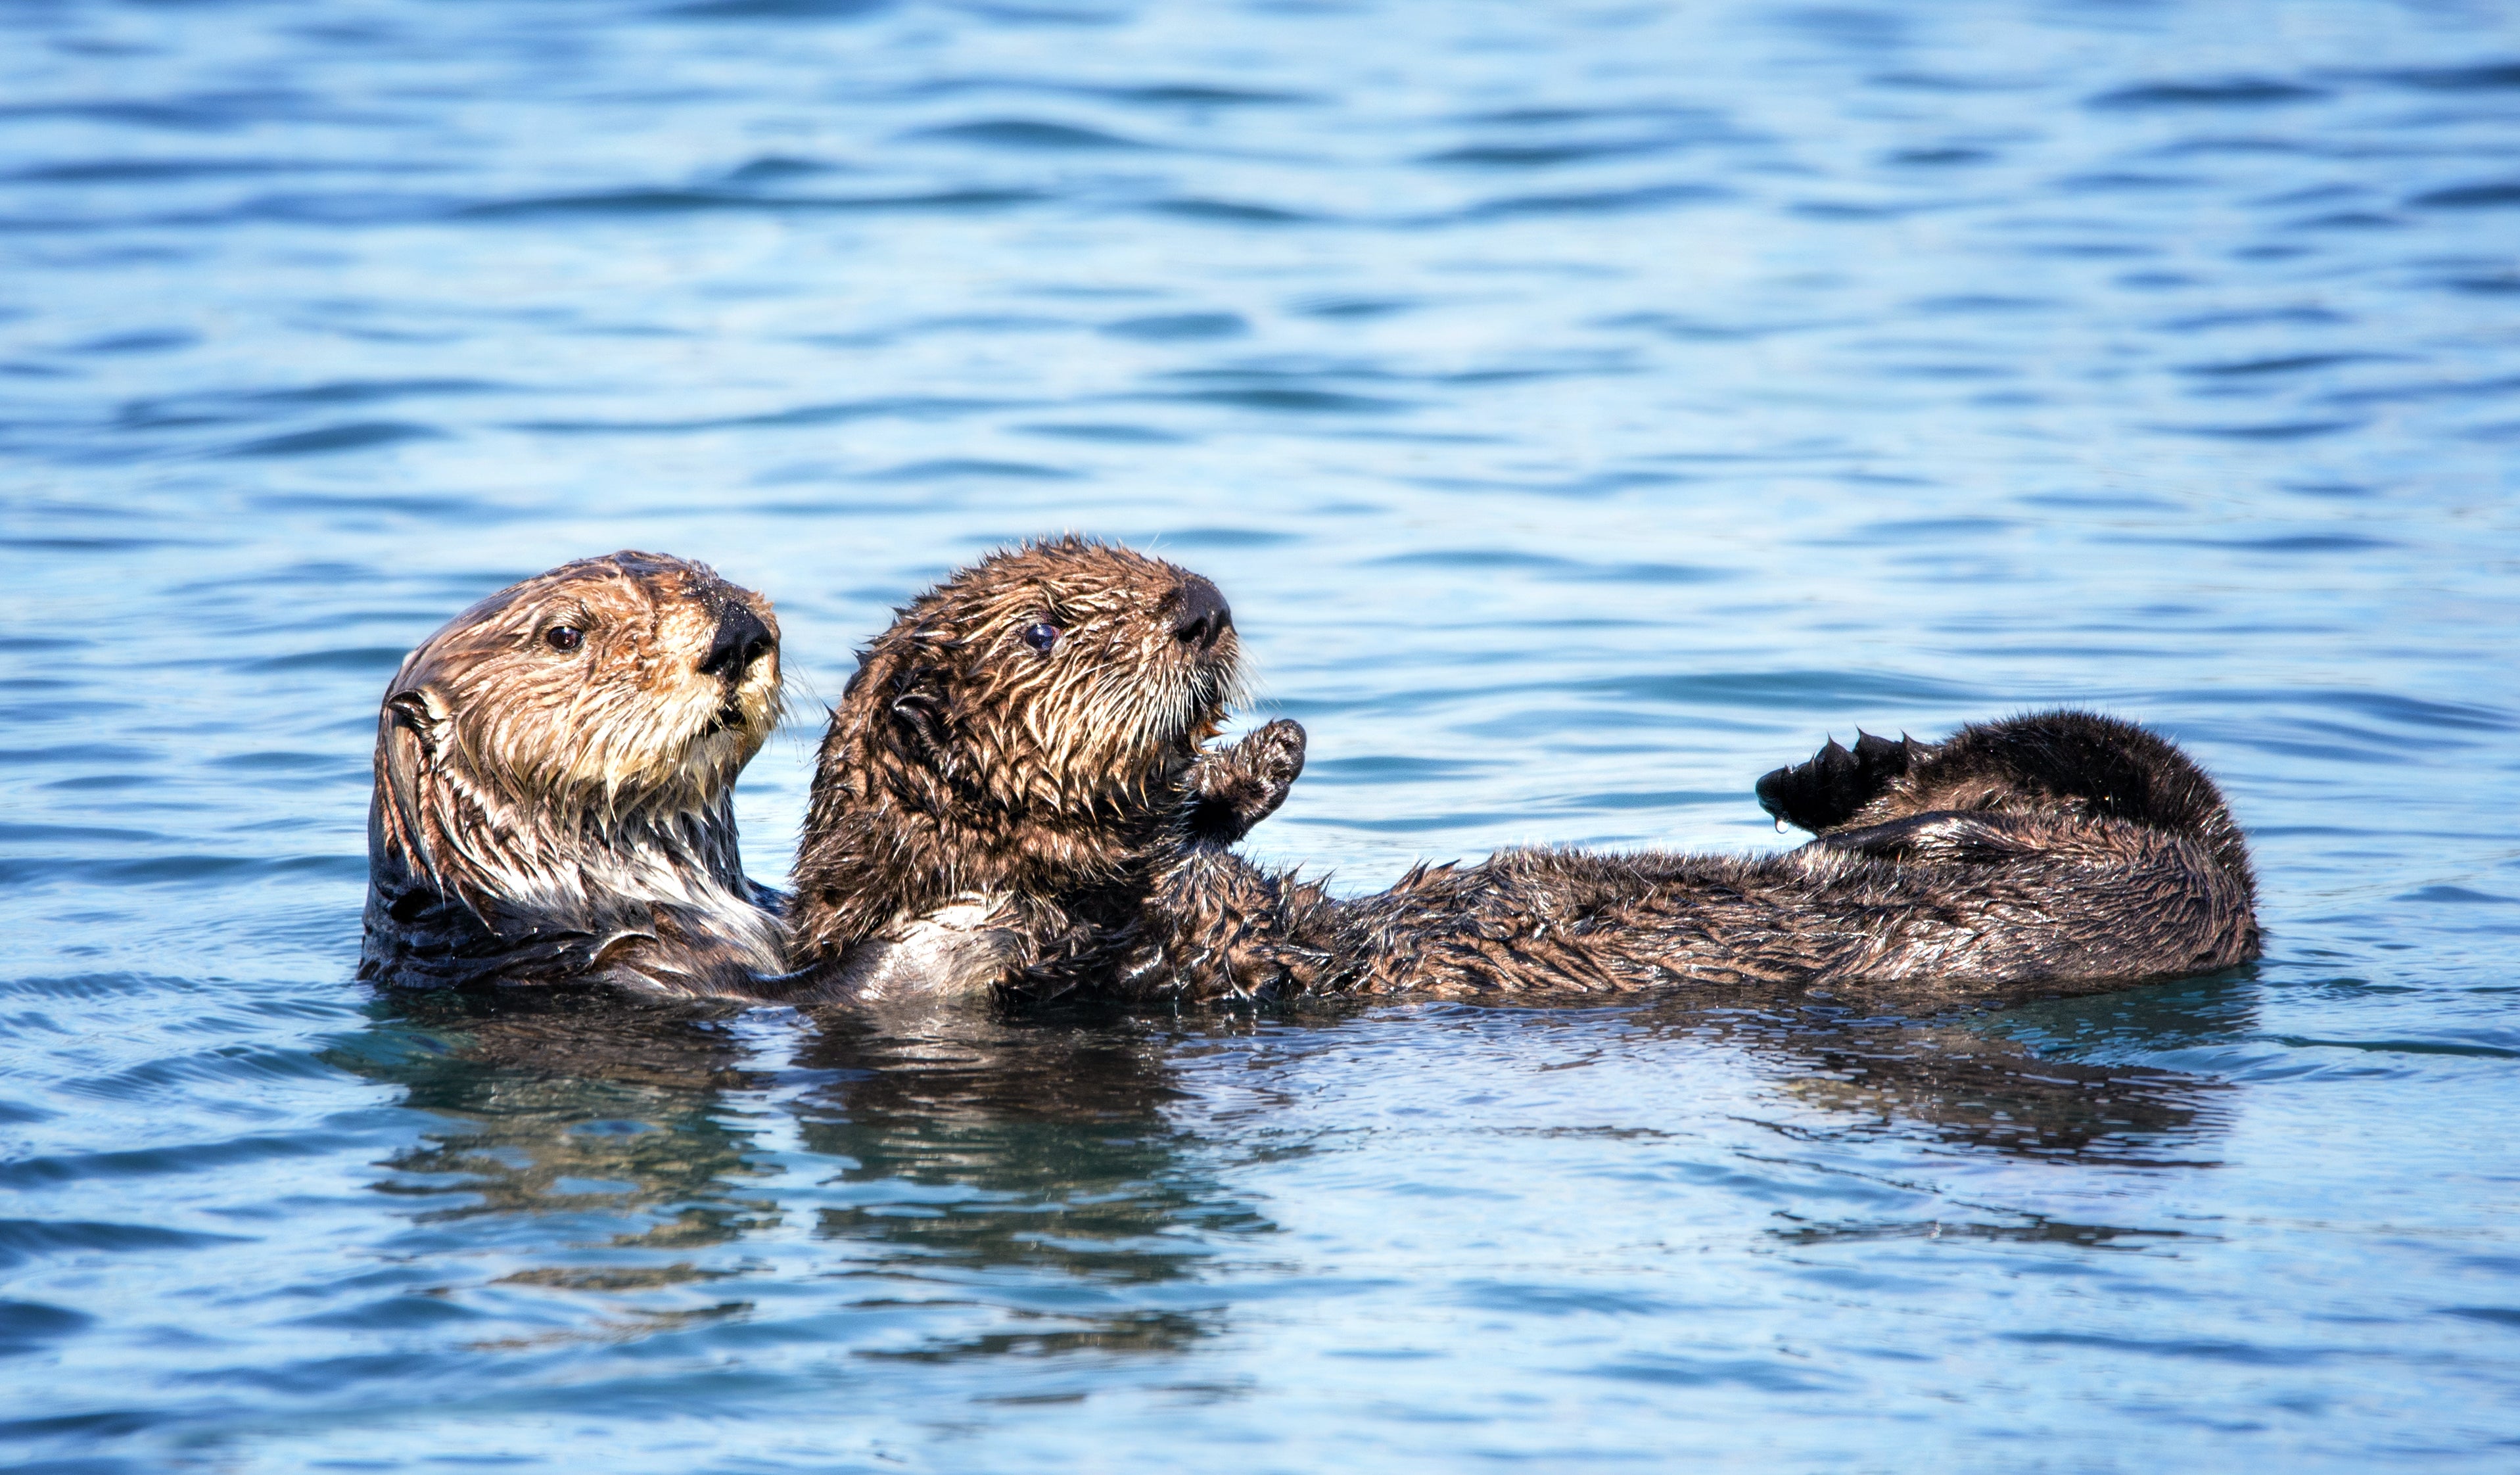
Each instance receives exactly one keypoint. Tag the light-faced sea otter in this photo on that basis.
(553, 771)
(1020, 740)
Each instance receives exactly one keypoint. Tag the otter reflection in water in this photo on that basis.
(971, 1186)
(966, 1184)
(1019, 742)
(1862, 1070)
(553, 777)
(963, 1185)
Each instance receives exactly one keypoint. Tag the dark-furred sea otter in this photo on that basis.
(1018, 745)
(553, 771)
(1013, 759)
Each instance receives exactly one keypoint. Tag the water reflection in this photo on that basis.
(1036, 1149)
(573, 1105)
(1022, 1169)
(1983, 1082)
(966, 1143)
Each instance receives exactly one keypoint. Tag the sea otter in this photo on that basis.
(1016, 746)
(553, 771)
(1011, 758)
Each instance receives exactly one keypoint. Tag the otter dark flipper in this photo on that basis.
(2069, 763)
(1830, 787)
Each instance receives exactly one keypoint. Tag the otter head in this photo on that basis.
(607, 685)
(553, 773)
(1021, 727)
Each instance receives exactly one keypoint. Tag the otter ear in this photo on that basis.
(418, 710)
(407, 736)
(898, 699)
(916, 694)
(902, 694)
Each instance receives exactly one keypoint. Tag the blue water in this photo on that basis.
(1585, 406)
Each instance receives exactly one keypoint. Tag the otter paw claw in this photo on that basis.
(1835, 783)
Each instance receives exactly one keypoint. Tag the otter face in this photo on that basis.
(1062, 676)
(632, 680)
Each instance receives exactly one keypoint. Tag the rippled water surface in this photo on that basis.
(1585, 406)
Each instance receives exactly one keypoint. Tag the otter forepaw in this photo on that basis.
(1836, 783)
(1275, 755)
(1235, 789)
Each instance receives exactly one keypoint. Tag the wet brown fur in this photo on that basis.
(2059, 853)
(549, 816)
(967, 772)
(2055, 853)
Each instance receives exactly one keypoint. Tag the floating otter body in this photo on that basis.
(982, 760)
(2056, 853)
(552, 772)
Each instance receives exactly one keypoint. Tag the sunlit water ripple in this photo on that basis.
(1587, 407)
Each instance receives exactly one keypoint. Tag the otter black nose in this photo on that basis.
(742, 638)
(1203, 619)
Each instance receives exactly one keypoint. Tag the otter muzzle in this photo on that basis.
(1203, 617)
(741, 640)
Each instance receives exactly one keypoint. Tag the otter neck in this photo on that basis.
(890, 841)
(494, 883)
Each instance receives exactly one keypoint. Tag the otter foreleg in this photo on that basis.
(1235, 788)
(1216, 927)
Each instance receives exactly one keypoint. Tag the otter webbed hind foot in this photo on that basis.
(1835, 783)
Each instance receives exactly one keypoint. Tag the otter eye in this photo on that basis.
(1042, 637)
(563, 638)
